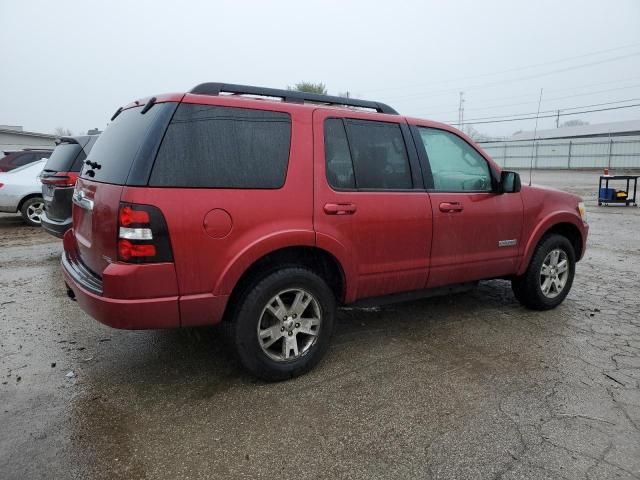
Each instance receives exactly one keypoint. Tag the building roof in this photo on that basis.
(27, 134)
(629, 127)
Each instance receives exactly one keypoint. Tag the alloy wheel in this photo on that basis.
(289, 325)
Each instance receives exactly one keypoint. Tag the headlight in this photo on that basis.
(583, 211)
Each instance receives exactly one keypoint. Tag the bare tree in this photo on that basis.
(309, 87)
(475, 134)
(62, 132)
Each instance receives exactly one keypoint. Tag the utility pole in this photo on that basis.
(558, 119)
(461, 111)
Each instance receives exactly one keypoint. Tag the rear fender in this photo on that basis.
(256, 250)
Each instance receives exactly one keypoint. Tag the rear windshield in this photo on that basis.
(117, 147)
(62, 158)
(223, 147)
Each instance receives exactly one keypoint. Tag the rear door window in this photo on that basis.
(337, 156)
(372, 155)
(209, 146)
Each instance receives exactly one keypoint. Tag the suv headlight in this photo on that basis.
(583, 211)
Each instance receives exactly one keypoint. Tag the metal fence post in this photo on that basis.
(569, 157)
(504, 156)
(535, 146)
(610, 149)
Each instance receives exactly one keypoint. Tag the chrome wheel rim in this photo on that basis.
(289, 325)
(34, 211)
(554, 273)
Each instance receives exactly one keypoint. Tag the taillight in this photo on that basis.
(143, 236)
(60, 179)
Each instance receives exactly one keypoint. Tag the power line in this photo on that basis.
(555, 109)
(501, 82)
(546, 100)
(552, 115)
(524, 67)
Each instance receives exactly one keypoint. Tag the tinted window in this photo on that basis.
(61, 160)
(455, 165)
(24, 159)
(337, 157)
(117, 147)
(379, 155)
(223, 147)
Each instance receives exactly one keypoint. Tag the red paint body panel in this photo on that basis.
(543, 208)
(136, 314)
(204, 309)
(390, 242)
(465, 246)
(388, 237)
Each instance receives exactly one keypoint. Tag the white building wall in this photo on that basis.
(19, 141)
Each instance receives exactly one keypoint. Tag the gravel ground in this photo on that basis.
(467, 386)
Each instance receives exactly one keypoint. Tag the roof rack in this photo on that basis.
(291, 96)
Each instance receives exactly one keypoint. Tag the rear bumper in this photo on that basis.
(111, 299)
(53, 227)
(136, 314)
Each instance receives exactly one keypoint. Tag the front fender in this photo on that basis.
(542, 227)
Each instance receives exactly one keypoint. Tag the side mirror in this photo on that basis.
(509, 182)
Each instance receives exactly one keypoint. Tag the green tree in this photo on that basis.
(309, 87)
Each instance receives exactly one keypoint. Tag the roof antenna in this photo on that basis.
(535, 131)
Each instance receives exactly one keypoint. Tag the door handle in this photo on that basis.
(450, 207)
(339, 208)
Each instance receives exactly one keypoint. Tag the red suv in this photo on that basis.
(265, 209)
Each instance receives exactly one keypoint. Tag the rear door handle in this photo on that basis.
(451, 207)
(339, 208)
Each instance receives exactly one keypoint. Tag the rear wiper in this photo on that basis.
(147, 107)
(118, 111)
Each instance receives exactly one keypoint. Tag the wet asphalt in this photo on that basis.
(469, 386)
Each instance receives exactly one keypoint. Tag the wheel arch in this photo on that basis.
(27, 197)
(564, 225)
(318, 260)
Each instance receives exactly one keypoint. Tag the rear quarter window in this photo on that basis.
(223, 147)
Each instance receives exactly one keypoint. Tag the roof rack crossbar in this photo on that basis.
(291, 96)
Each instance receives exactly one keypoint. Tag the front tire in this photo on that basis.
(31, 211)
(549, 276)
(283, 324)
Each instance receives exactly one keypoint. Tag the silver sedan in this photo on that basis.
(21, 192)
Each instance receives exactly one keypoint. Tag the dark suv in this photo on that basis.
(266, 213)
(59, 179)
(13, 160)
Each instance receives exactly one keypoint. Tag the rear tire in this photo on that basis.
(31, 211)
(283, 324)
(549, 276)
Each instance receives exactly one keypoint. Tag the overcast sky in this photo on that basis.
(73, 63)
